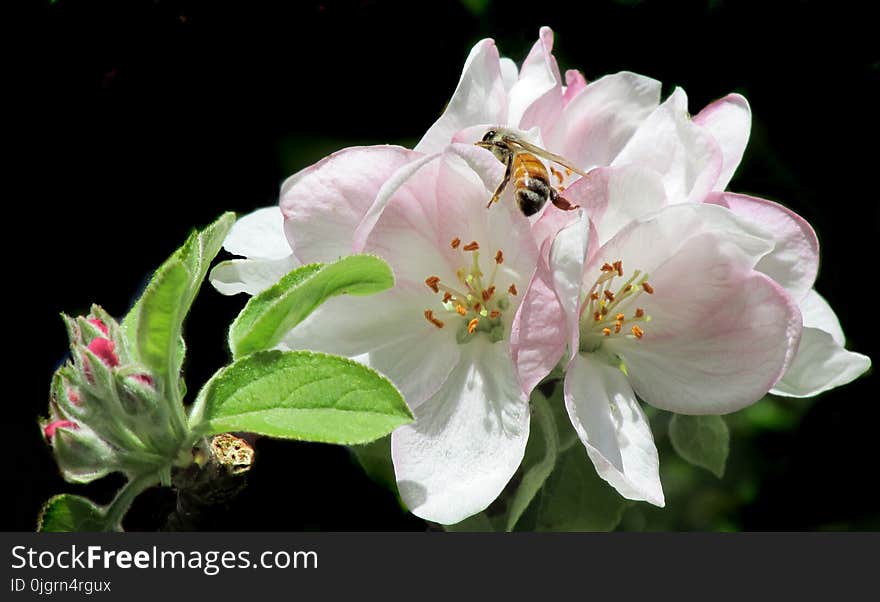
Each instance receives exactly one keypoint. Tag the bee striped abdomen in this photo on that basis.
(532, 183)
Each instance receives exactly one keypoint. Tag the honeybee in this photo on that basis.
(531, 180)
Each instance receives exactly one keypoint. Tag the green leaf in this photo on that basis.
(701, 440)
(539, 460)
(478, 523)
(153, 326)
(70, 513)
(300, 395)
(575, 498)
(268, 316)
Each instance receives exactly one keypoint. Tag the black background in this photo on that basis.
(135, 121)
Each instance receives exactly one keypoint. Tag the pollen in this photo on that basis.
(432, 282)
(429, 316)
(455, 242)
(472, 246)
(606, 306)
(472, 325)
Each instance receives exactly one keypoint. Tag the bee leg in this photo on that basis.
(561, 202)
(504, 182)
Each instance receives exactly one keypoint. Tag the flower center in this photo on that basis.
(475, 303)
(610, 311)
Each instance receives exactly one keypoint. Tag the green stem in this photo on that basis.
(122, 502)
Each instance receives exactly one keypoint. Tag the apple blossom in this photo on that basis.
(696, 158)
(670, 309)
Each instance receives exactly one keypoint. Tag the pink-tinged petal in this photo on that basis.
(49, 429)
(568, 257)
(729, 120)
(575, 82)
(539, 333)
(99, 325)
(686, 156)
(820, 364)
(794, 262)
(387, 332)
(594, 127)
(479, 98)
(250, 276)
(105, 349)
(467, 440)
(720, 335)
(259, 235)
(613, 428)
(483, 163)
(324, 203)
(509, 72)
(388, 189)
(817, 313)
(536, 98)
(615, 196)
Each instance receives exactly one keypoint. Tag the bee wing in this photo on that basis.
(537, 150)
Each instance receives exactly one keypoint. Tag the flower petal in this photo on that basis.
(729, 120)
(387, 332)
(509, 72)
(324, 203)
(250, 276)
(612, 426)
(817, 313)
(819, 365)
(720, 336)
(536, 98)
(682, 152)
(794, 262)
(594, 127)
(479, 98)
(568, 256)
(575, 82)
(467, 441)
(259, 235)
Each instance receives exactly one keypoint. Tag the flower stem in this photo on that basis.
(122, 502)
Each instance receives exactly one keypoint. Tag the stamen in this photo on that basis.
(648, 288)
(432, 282)
(447, 296)
(609, 295)
(477, 307)
(494, 314)
(640, 313)
(460, 310)
(429, 316)
(606, 332)
(487, 294)
(617, 326)
(619, 317)
(618, 265)
(472, 325)
(512, 289)
(499, 257)
(607, 267)
(638, 331)
(471, 246)
(594, 296)
(455, 242)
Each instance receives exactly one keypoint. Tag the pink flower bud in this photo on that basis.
(143, 378)
(106, 350)
(50, 428)
(73, 396)
(99, 325)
